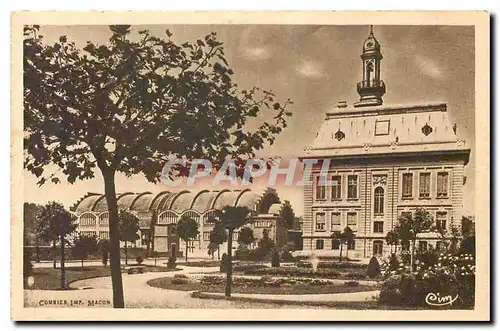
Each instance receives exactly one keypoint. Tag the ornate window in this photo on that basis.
(352, 187)
(378, 208)
(442, 185)
(336, 187)
(407, 187)
(425, 185)
(320, 222)
(339, 135)
(427, 129)
(320, 188)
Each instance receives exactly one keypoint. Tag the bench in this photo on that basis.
(135, 270)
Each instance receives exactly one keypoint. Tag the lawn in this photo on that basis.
(202, 264)
(50, 278)
(241, 286)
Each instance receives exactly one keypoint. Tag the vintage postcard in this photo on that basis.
(225, 166)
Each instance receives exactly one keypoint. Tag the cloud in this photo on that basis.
(256, 53)
(310, 69)
(428, 67)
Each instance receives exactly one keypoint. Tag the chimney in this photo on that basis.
(342, 104)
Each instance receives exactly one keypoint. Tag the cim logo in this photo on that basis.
(434, 299)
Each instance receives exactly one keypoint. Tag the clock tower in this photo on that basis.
(371, 88)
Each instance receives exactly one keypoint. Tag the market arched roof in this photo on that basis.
(199, 201)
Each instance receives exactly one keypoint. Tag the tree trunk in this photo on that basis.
(54, 253)
(340, 258)
(218, 252)
(347, 253)
(229, 278)
(82, 265)
(411, 254)
(126, 253)
(37, 250)
(151, 241)
(187, 249)
(63, 269)
(114, 240)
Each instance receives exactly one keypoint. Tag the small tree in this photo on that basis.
(346, 238)
(392, 240)
(336, 235)
(410, 226)
(83, 246)
(373, 269)
(265, 244)
(246, 237)
(218, 236)
(55, 223)
(232, 218)
(187, 229)
(104, 249)
(128, 226)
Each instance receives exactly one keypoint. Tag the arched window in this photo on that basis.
(379, 201)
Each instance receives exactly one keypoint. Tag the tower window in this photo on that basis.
(379, 201)
(427, 129)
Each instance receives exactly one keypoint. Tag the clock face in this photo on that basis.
(369, 44)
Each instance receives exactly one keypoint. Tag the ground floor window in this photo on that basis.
(422, 245)
(335, 244)
(351, 244)
(378, 246)
(320, 244)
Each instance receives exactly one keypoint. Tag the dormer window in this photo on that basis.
(427, 129)
(339, 135)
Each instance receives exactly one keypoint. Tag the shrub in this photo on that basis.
(139, 259)
(242, 253)
(171, 264)
(351, 283)
(180, 276)
(275, 263)
(373, 268)
(393, 262)
(179, 280)
(248, 267)
(451, 275)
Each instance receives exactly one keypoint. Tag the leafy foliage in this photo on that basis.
(187, 229)
(245, 236)
(373, 268)
(132, 104)
(55, 222)
(83, 246)
(129, 226)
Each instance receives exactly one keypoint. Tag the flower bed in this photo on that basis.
(306, 272)
(332, 265)
(452, 275)
(263, 285)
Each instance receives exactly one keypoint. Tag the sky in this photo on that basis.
(315, 66)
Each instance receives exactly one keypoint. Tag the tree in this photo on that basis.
(55, 223)
(265, 244)
(468, 243)
(336, 235)
(392, 239)
(245, 237)
(30, 223)
(288, 215)
(128, 227)
(187, 229)
(410, 226)
(83, 246)
(104, 249)
(130, 106)
(232, 218)
(218, 236)
(347, 237)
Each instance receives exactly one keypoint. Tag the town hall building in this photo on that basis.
(384, 161)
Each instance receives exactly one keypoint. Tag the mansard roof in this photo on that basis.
(382, 130)
(199, 201)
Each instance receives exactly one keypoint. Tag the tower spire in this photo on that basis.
(371, 88)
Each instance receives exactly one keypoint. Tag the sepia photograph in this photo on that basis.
(305, 166)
